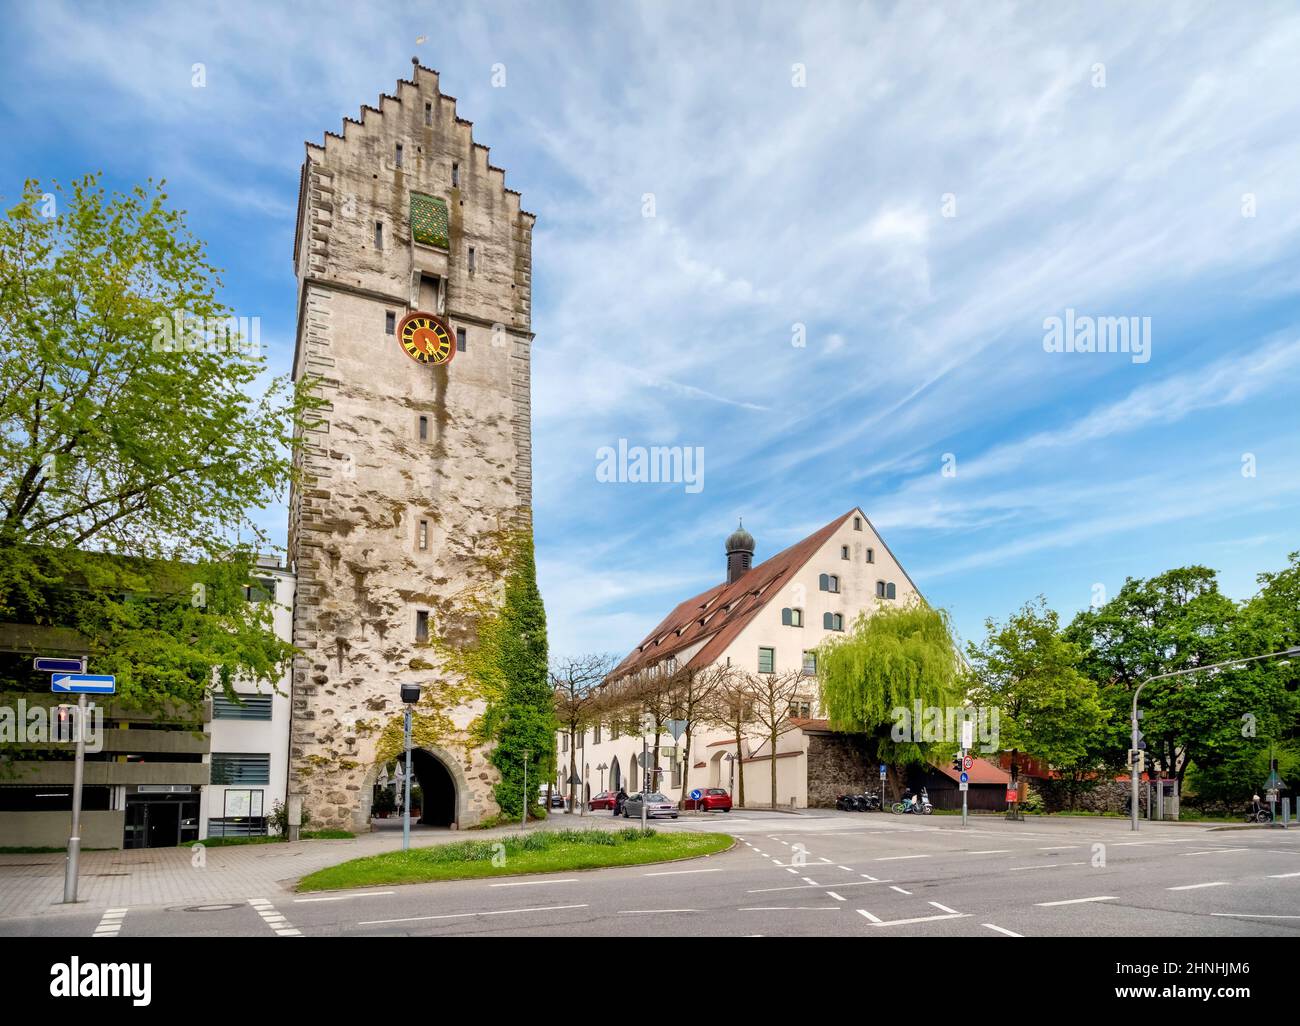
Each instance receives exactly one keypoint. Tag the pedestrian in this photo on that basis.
(619, 801)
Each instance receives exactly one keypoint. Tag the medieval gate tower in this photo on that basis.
(414, 267)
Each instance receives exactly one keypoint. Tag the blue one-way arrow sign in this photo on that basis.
(51, 664)
(82, 684)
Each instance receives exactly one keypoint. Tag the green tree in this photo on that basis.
(1048, 708)
(891, 659)
(1179, 620)
(522, 718)
(134, 444)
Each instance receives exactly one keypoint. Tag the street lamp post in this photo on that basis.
(602, 767)
(523, 823)
(410, 695)
(1133, 770)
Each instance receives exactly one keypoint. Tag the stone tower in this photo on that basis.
(421, 458)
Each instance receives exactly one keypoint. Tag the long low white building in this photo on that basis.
(764, 619)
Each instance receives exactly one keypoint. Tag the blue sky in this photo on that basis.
(778, 204)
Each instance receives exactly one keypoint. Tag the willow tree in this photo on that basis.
(890, 660)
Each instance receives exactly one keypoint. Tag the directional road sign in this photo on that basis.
(82, 684)
(55, 664)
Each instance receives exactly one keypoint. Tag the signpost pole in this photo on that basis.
(963, 791)
(78, 776)
(406, 787)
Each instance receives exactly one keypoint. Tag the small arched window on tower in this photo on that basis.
(472, 262)
(428, 113)
(455, 175)
(397, 156)
(379, 235)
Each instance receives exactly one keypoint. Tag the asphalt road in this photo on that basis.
(840, 874)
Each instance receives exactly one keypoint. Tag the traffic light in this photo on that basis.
(956, 763)
(1138, 758)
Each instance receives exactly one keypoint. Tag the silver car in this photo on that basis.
(656, 805)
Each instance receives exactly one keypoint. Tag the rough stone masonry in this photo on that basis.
(413, 471)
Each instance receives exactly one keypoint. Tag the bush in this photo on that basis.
(278, 820)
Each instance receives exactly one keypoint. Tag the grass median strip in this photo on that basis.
(545, 851)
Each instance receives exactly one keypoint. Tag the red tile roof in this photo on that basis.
(718, 615)
(981, 772)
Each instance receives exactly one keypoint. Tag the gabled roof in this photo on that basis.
(980, 772)
(717, 616)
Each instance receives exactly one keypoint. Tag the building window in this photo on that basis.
(397, 155)
(390, 322)
(455, 176)
(828, 582)
(240, 768)
(261, 590)
(423, 535)
(595, 738)
(833, 621)
(421, 625)
(424, 429)
(428, 113)
(857, 523)
(792, 617)
(889, 591)
(564, 742)
(614, 732)
(472, 262)
(871, 555)
(460, 340)
(766, 660)
(886, 591)
(810, 663)
(379, 235)
(844, 552)
(800, 710)
(248, 707)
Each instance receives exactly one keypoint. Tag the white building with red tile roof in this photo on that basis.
(768, 618)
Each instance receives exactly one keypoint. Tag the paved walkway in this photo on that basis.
(33, 884)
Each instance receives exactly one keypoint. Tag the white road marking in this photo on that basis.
(1061, 847)
(835, 896)
(1017, 869)
(900, 890)
(1194, 887)
(864, 912)
(1250, 915)
(845, 868)
(921, 919)
(1283, 876)
(344, 897)
(1212, 851)
(788, 869)
(810, 882)
(943, 908)
(532, 883)
(110, 924)
(1075, 901)
(791, 908)
(804, 887)
(990, 851)
(682, 872)
(868, 876)
(899, 858)
(273, 919)
(653, 911)
(999, 929)
(466, 915)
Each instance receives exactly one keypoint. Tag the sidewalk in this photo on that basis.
(33, 884)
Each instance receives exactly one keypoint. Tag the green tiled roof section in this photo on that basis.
(428, 220)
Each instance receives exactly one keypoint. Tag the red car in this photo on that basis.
(604, 800)
(712, 799)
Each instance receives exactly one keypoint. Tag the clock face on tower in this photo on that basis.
(426, 338)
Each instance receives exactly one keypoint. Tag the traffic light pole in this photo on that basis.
(1135, 737)
(78, 777)
(964, 792)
